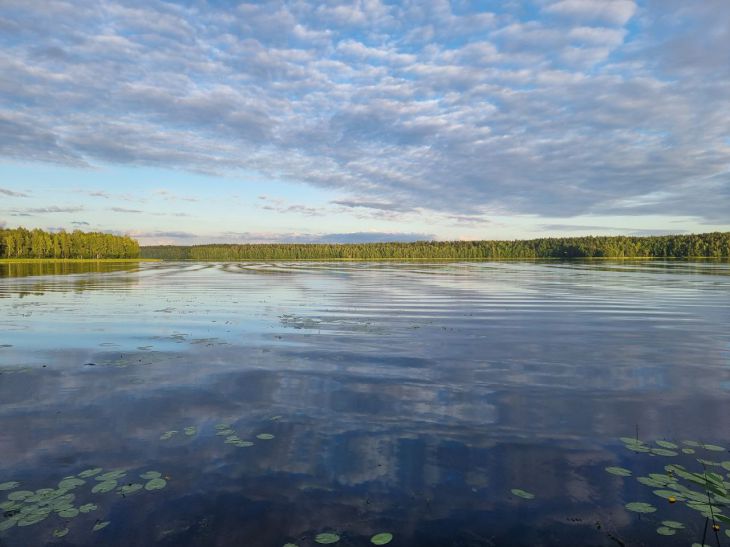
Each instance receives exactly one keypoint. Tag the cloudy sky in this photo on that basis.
(194, 120)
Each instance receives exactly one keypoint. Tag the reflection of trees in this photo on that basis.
(60, 276)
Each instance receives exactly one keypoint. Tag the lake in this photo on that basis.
(260, 404)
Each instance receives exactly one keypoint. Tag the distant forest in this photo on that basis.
(22, 243)
(715, 245)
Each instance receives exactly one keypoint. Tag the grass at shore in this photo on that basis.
(73, 260)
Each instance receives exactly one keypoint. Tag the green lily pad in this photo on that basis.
(524, 494)
(691, 443)
(265, 436)
(382, 538)
(713, 447)
(663, 452)
(327, 538)
(33, 518)
(10, 505)
(666, 494)
(666, 444)
(650, 482)
(225, 433)
(103, 487)
(70, 483)
(619, 471)
(8, 524)
(10, 485)
(167, 435)
(727, 532)
(149, 475)
(60, 533)
(290, 545)
(100, 525)
(725, 465)
(243, 444)
(665, 531)
(631, 440)
(19, 495)
(90, 472)
(673, 524)
(231, 439)
(155, 484)
(112, 475)
(275, 418)
(191, 430)
(222, 426)
(88, 508)
(688, 450)
(640, 507)
(130, 489)
(69, 513)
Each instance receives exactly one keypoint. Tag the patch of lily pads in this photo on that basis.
(23, 508)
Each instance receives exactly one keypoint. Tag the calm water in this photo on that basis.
(408, 399)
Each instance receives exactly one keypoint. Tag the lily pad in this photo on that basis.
(167, 435)
(155, 484)
(102, 487)
(222, 426)
(713, 447)
(19, 495)
(149, 475)
(8, 524)
(112, 475)
(88, 508)
(382, 538)
(290, 545)
(243, 444)
(33, 518)
(265, 436)
(666, 444)
(691, 443)
(190, 431)
(100, 525)
(640, 507)
(327, 538)
(665, 531)
(225, 432)
(673, 524)
(524, 494)
(60, 533)
(688, 450)
(666, 494)
(725, 465)
(69, 513)
(619, 471)
(663, 452)
(130, 489)
(70, 483)
(10, 485)
(90, 472)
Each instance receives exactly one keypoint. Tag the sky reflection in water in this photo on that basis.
(412, 398)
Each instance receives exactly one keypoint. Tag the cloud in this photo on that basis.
(125, 210)
(80, 223)
(12, 193)
(47, 210)
(561, 111)
(186, 238)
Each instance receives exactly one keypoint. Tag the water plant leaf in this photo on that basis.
(191, 430)
(524, 494)
(290, 545)
(691, 443)
(381, 539)
(725, 465)
(665, 531)
(673, 524)
(666, 444)
(149, 475)
(222, 426)
(69, 513)
(130, 489)
(70, 483)
(650, 482)
(225, 432)
(688, 450)
(88, 507)
(663, 452)
(640, 507)
(619, 471)
(100, 525)
(10, 485)
(630, 440)
(155, 484)
(32, 518)
(167, 435)
(327, 538)
(60, 533)
(243, 444)
(666, 494)
(8, 524)
(90, 472)
(713, 447)
(19, 495)
(103, 487)
(265, 436)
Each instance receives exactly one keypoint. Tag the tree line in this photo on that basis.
(23, 243)
(711, 245)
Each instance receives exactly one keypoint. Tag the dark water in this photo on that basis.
(408, 399)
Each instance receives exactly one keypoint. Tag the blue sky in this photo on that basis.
(195, 121)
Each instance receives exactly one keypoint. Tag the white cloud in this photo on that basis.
(611, 11)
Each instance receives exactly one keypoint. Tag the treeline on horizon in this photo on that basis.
(36, 243)
(711, 245)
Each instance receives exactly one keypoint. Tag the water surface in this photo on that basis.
(402, 398)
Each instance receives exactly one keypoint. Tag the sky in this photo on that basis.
(218, 121)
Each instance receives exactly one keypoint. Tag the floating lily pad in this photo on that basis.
(60, 533)
(243, 444)
(130, 489)
(673, 524)
(190, 431)
(69, 513)
(275, 418)
(688, 450)
(619, 471)
(149, 475)
(290, 545)
(666, 494)
(112, 475)
(691, 443)
(90, 472)
(32, 518)
(650, 482)
(222, 426)
(665, 531)
(155, 484)
(167, 435)
(265, 436)
(524, 494)
(19, 495)
(327, 538)
(382, 538)
(663, 452)
(666, 444)
(70, 483)
(713, 447)
(725, 465)
(225, 432)
(10, 505)
(102, 487)
(10, 485)
(100, 525)
(640, 507)
(8, 524)
(88, 508)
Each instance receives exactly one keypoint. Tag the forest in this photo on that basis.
(36, 243)
(711, 245)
